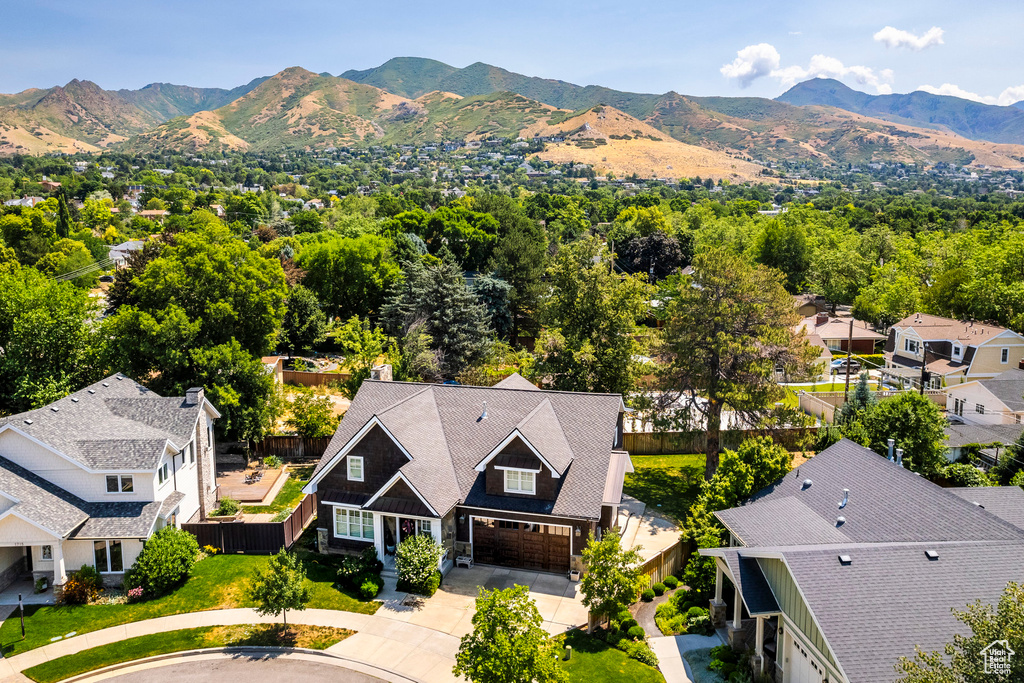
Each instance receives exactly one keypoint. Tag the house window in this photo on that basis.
(108, 556)
(191, 449)
(355, 468)
(1016, 418)
(957, 350)
(834, 344)
(352, 523)
(911, 346)
(46, 552)
(163, 474)
(979, 408)
(518, 481)
(120, 483)
(209, 435)
(1004, 356)
(958, 406)
(423, 527)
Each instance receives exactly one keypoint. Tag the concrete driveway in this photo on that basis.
(452, 607)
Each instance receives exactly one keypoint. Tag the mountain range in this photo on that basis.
(414, 100)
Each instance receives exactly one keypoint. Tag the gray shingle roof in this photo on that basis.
(750, 580)
(747, 523)
(441, 427)
(887, 503)
(66, 515)
(851, 603)
(1008, 387)
(964, 435)
(115, 424)
(1005, 502)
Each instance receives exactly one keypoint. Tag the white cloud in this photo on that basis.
(751, 63)
(894, 37)
(1006, 98)
(757, 61)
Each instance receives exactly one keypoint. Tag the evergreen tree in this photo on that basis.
(64, 222)
(494, 294)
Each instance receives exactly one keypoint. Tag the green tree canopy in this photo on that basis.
(507, 644)
(350, 276)
(612, 580)
(304, 323)
(917, 424)
(280, 586)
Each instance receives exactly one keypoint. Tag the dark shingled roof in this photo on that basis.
(887, 503)
(964, 435)
(892, 518)
(749, 579)
(114, 424)
(442, 428)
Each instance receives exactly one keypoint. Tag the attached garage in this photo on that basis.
(543, 547)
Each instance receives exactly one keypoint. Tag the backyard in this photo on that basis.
(290, 495)
(217, 582)
(668, 483)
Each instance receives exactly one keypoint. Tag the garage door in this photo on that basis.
(544, 547)
(802, 665)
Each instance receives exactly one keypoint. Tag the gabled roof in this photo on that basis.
(937, 328)
(443, 429)
(963, 435)
(115, 424)
(1005, 502)
(1008, 387)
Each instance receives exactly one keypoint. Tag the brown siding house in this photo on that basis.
(509, 474)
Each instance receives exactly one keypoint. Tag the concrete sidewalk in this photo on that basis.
(670, 651)
(416, 652)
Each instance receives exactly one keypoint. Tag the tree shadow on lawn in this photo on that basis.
(674, 488)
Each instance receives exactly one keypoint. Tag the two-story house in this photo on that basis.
(850, 562)
(87, 479)
(952, 351)
(508, 475)
(991, 401)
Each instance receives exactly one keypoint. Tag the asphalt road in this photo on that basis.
(246, 669)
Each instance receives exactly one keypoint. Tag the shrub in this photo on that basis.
(695, 612)
(627, 624)
(370, 586)
(613, 638)
(355, 568)
(227, 508)
(647, 595)
(416, 562)
(164, 563)
(658, 588)
(89, 576)
(134, 594)
(623, 615)
(272, 462)
(962, 474)
(81, 587)
(642, 653)
(636, 632)
(671, 582)
(725, 654)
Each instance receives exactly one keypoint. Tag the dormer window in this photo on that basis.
(958, 350)
(520, 481)
(355, 468)
(120, 483)
(911, 346)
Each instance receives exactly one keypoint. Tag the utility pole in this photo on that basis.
(849, 352)
(925, 375)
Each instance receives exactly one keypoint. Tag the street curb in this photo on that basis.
(257, 650)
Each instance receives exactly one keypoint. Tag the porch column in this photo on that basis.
(737, 610)
(758, 660)
(60, 575)
(717, 607)
(718, 584)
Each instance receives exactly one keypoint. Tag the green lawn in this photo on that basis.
(594, 660)
(290, 495)
(216, 583)
(311, 637)
(668, 483)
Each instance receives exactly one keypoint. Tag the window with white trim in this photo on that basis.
(979, 408)
(46, 553)
(191, 451)
(120, 483)
(163, 474)
(911, 346)
(1004, 355)
(957, 351)
(519, 481)
(353, 523)
(355, 468)
(109, 558)
(423, 527)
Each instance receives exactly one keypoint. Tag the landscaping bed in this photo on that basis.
(290, 495)
(245, 635)
(594, 660)
(217, 582)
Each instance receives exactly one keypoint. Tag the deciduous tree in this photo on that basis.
(280, 586)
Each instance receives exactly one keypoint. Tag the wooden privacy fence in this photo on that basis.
(292, 448)
(669, 561)
(662, 443)
(255, 538)
(312, 379)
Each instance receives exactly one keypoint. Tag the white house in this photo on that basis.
(997, 400)
(87, 479)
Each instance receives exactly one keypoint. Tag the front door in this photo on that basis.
(391, 539)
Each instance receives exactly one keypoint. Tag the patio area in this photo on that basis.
(452, 607)
(231, 484)
(26, 589)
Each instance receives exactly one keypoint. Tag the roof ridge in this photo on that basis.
(493, 388)
(401, 401)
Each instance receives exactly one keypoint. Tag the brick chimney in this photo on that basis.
(820, 319)
(194, 396)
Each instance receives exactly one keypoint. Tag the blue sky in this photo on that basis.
(696, 48)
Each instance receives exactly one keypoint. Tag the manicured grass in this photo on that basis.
(290, 495)
(671, 481)
(594, 660)
(263, 635)
(217, 582)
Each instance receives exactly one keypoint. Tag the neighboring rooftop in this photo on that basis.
(1008, 387)
(937, 328)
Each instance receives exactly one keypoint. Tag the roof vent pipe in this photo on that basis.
(483, 415)
(892, 442)
(846, 498)
(899, 457)
(807, 484)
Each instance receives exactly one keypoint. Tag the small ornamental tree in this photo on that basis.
(963, 660)
(164, 563)
(312, 415)
(612, 579)
(507, 644)
(280, 586)
(917, 424)
(416, 560)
